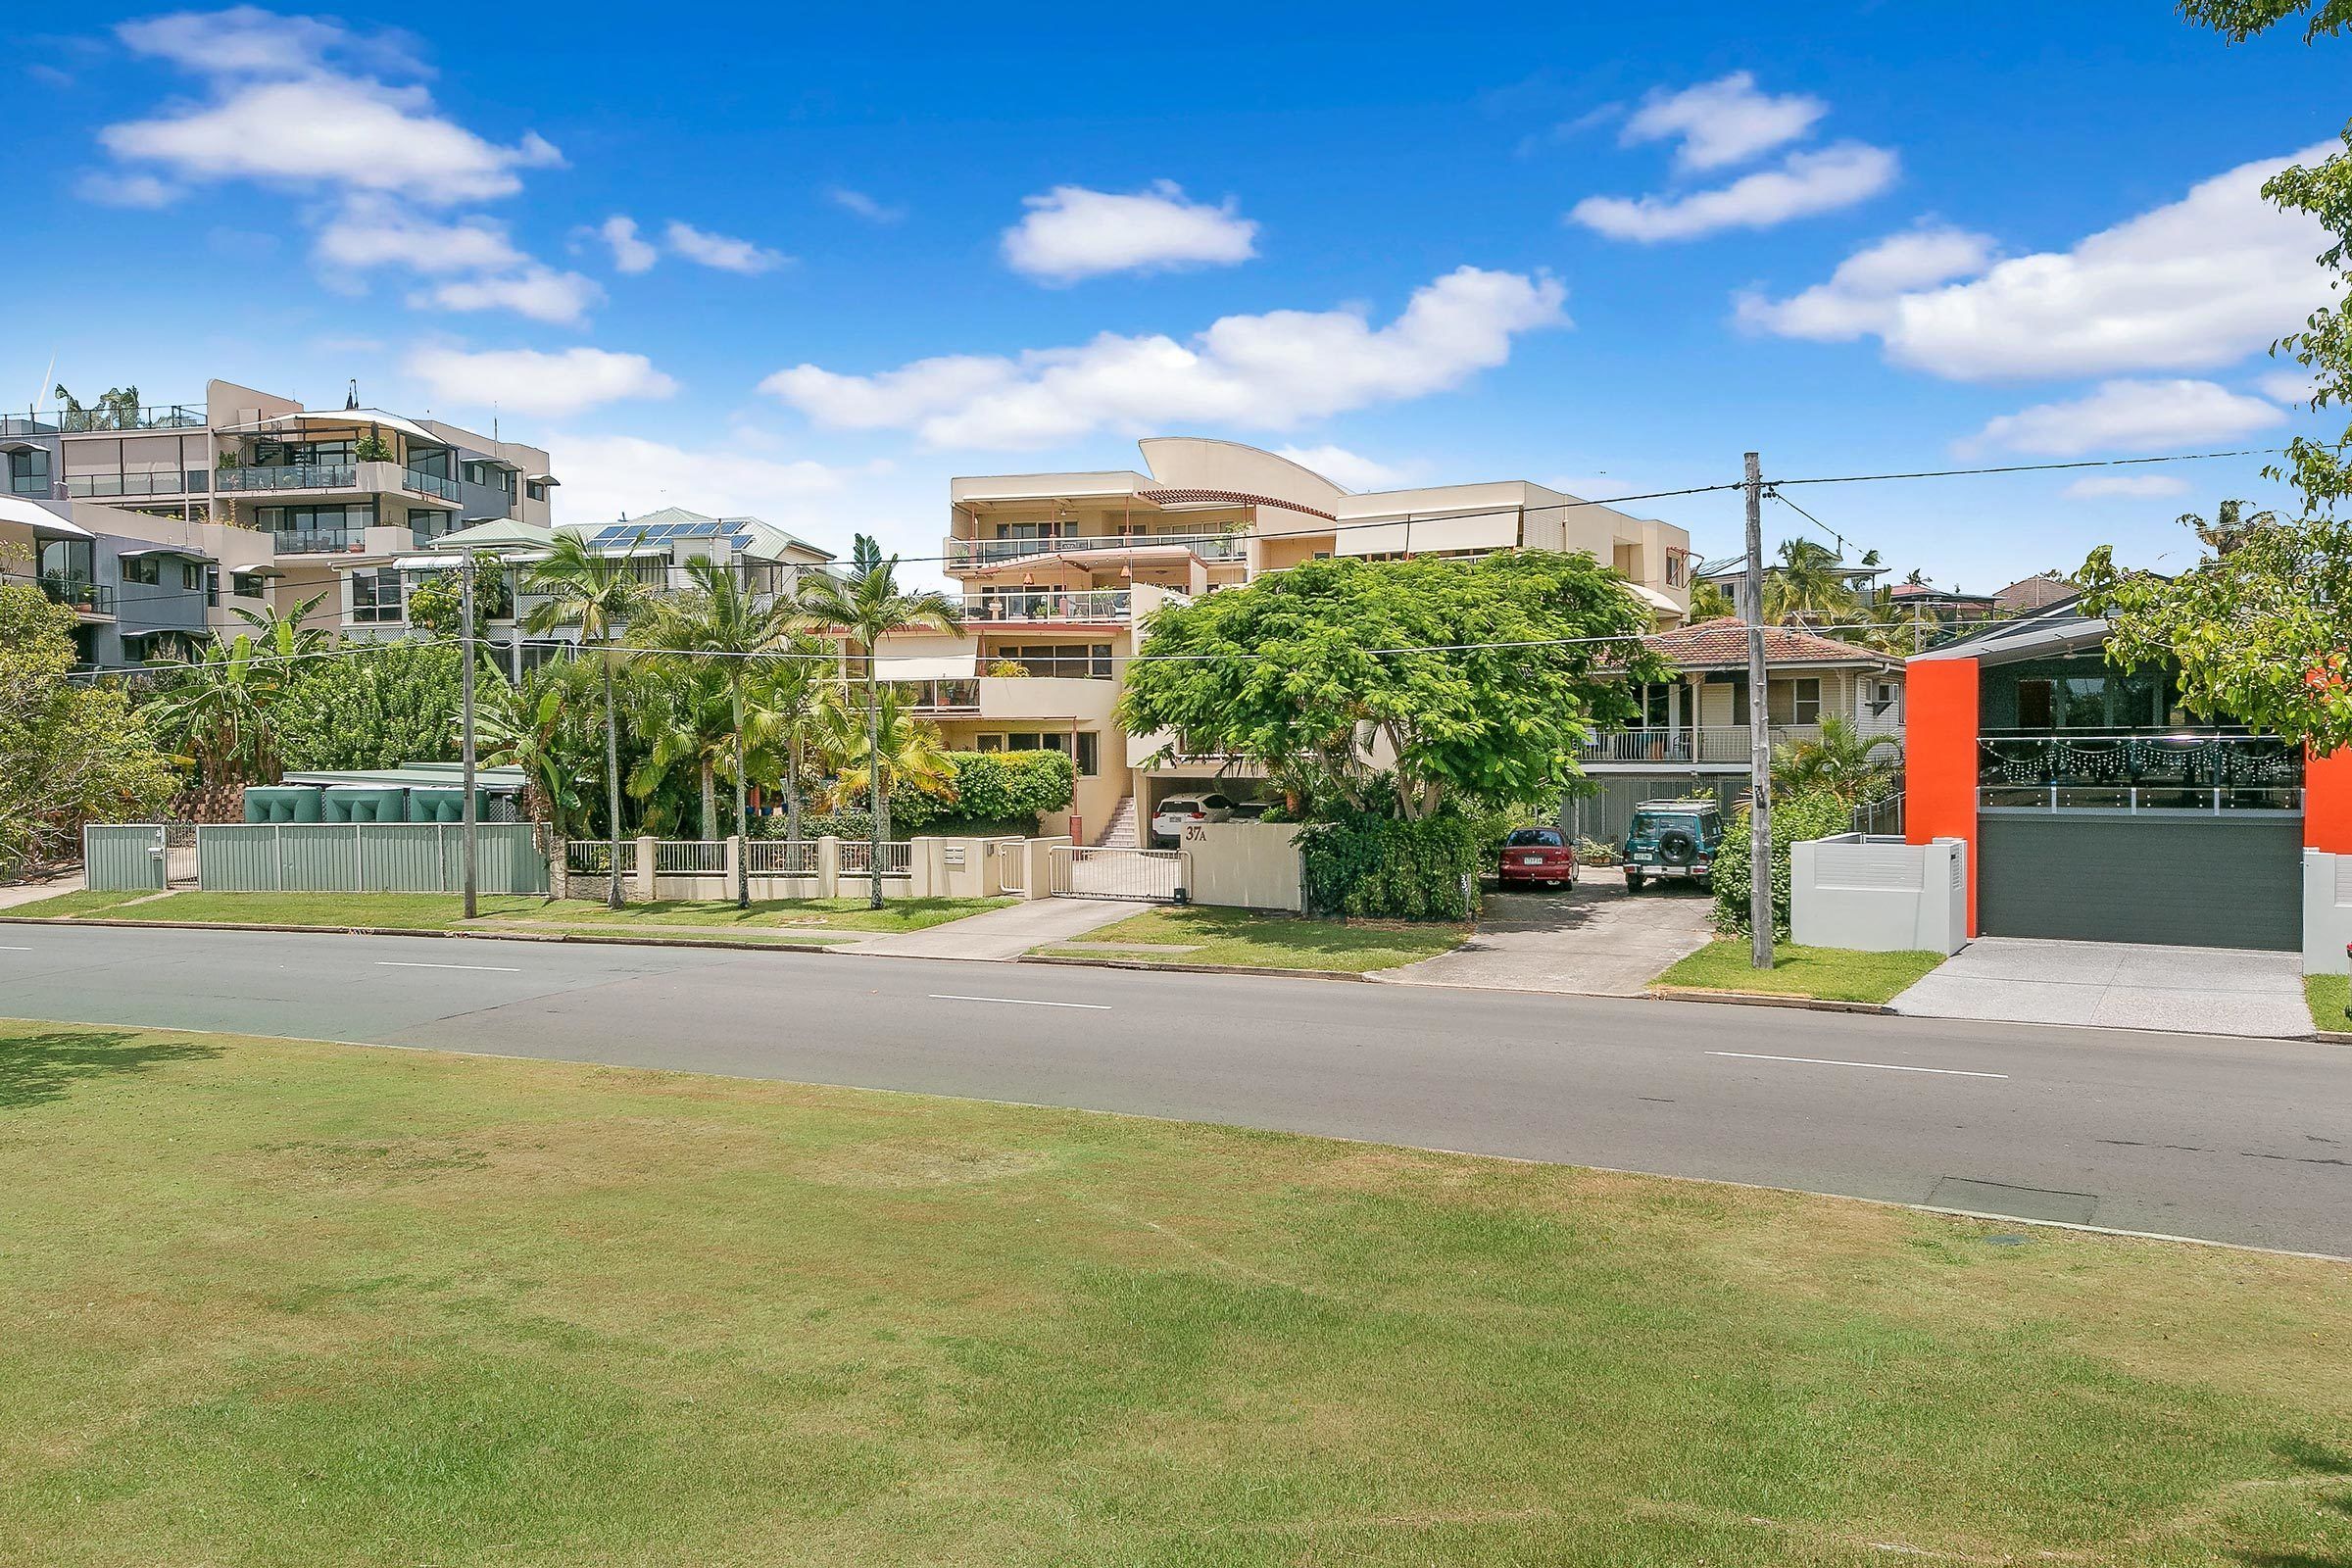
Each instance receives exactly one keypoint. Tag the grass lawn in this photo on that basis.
(2327, 994)
(771, 921)
(72, 904)
(1250, 941)
(280, 1303)
(897, 914)
(1833, 974)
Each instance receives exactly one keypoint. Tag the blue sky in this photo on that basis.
(857, 254)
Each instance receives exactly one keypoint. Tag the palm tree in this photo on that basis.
(542, 728)
(597, 594)
(1841, 762)
(866, 608)
(899, 752)
(802, 693)
(685, 714)
(282, 635)
(1808, 583)
(216, 712)
(719, 623)
(1708, 602)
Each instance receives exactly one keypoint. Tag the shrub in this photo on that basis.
(1797, 818)
(1371, 868)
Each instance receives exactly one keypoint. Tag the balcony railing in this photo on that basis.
(969, 553)
(943, 696)
(90, 598)
(1725, 744)
(316, 541)
(428, 485)
(290, 477)
(1049, 605)
(98, 485)
(2121, 770)
(161, 416)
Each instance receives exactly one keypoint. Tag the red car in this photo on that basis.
(1539, 855)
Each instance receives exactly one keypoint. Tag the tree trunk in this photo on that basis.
(709, 782)
(612, 790)
(874, 779)
(792, 789)
(743, 820)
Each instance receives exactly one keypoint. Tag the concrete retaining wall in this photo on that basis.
(1250, 865)
(1879, 895)
(2327, 912)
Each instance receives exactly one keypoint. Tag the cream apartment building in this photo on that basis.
(1060, 571)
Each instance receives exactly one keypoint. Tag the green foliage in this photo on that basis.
(1491, 824)
(1002, 786)
(1796, 818)
(1387, 869)
(2260, 627)
(552, 728)
(1839, 763)
(434, 605)
(376, 706)
(1508, 666)
(372, 447)
(69, 751)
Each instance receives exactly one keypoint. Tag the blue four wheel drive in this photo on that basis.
(1671, 837)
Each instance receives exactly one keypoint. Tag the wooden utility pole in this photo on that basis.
(465, 717)
(1759, 732)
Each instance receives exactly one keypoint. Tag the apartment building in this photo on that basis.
(374, 596)
(141, 516)
(1060, 571)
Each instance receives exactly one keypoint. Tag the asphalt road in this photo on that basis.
(2231, 1140)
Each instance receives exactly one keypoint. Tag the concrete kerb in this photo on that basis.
(1190, 968)
(1767, 998)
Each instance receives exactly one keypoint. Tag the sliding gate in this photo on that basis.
(1099, 871)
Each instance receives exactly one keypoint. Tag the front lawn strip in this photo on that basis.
(897, 915)
(274, 1302)
(62, 905)
(795, 921)
(1830, 974)
(2327, 994)
(1241, 939)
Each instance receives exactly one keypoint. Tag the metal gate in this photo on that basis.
(124, 857)
(179, 855)
(1012, 864)
(2227, 880)
(1096, 871)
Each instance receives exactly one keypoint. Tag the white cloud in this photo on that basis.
(1862, 295)
(1071, 233)
(537, 291)
(608, 476)
(2145, 486)
(1272, 370)
(374, 231)
(2196, 284)
(1723, 121)
(127, 190)
(2287, 386)
(1349, 470)
(528, 381)
(726, 254)
(865, 206)
(2129, 417)
(248, 41)
(1803, 184)
(629, 253)
(331, 130)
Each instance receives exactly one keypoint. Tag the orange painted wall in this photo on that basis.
(1939, 758)
(2327, 803)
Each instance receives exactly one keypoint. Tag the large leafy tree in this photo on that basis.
(596, 593)
(219, 713)
(867, 607)
(69, 751)
(721, 625)
(1400, 687)
(376, 706)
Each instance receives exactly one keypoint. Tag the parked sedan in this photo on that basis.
(1537, 854)
(1179, 812)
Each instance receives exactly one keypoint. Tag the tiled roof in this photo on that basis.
(1722, 644)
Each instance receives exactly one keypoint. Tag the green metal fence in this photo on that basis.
(124, 857)
(366, 858)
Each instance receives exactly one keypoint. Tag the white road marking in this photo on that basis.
(482, 968)
(14, 949)
(1883, 1066)
(1024, 1001)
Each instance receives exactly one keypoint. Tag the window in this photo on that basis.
(1084, 661)
(490, 475)
(1090, 747)
(1090, 753)
(375, 595)
(212, 587)
(1882, 697)
(327, 527)
(147, 569)
(535, 490)
(1676, 561)
(248, 585)
(191, 576)
(1796, 702)
(1533, 838)
(29, 471)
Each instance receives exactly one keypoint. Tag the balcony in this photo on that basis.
(92, 601)
(2137, 772)
(428, 485)
(316, 541)
(943, 696)
(290, 477)
(82, 421)
(967, 554)
(1713, 745)
(1046, 607)
(100, 486)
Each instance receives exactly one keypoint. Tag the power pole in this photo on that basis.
(1759, 732)
(465, 715)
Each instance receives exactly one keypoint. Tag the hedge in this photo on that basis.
(1384, 869)
(1796, 818)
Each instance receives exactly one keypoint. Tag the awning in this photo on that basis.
(543, 478)
(1653, 599)
(183, 552)
(927, 667)
(40, 519)
(337, 419)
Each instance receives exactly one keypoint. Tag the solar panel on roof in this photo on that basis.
(699, 530)
(741, 541)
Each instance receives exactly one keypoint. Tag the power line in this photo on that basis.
(2040, 467)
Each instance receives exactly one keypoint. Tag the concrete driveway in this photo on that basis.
(2214, 991)
(1597, 939)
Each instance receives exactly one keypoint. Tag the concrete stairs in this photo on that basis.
(1120, 832)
